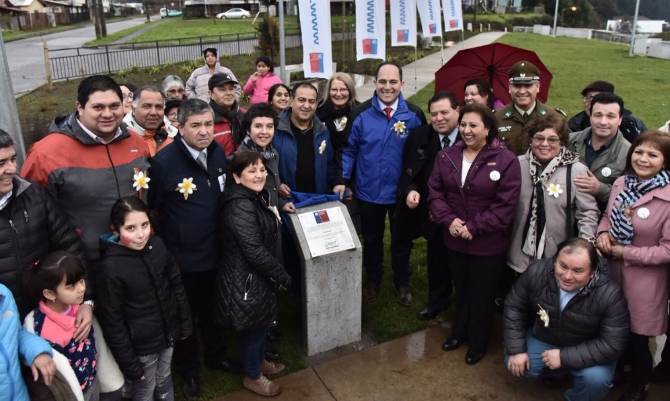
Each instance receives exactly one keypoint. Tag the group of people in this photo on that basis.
(159, 213)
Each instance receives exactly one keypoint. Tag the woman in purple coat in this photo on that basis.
(473, 195)
(634, 233)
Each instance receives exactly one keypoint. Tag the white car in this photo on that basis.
(234, 13)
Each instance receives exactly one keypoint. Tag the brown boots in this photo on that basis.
(261, 386)
(264, 386)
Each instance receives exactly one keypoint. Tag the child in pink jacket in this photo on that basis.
(260, 82)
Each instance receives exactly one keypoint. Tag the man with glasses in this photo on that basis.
(602, 147)
(372, 161)
(524, 86)
(630, 127)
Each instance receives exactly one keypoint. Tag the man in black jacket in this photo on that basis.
(186, 191)
(31, 226)
(564, 313)
(419, 153)
(631, 127)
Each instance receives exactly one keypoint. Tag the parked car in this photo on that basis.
(166, 13)
(234, 13)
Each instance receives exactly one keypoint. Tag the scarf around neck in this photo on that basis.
(535, 228)
(620, 217)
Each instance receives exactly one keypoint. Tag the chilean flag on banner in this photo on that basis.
(453, 15)
(431, 19)
(403, 22)
(317, 51)
(316, 63)
(370, 29)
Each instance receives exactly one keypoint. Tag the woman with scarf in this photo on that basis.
(336, 108)
(634, 233)
(549, 211)
(227, 112)
(259, 124)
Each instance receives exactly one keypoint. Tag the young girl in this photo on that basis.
(260, 82)
(141, 302)
(57, 281)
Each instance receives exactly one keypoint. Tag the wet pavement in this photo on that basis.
(414, 368)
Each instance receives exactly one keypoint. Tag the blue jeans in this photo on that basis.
(252, 351)
(589, 384)
(156, 384)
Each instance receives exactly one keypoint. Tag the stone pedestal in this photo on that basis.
(331, 288)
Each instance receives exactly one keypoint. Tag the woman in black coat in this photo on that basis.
(250, 273)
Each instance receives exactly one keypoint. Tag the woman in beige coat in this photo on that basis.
(549, 210)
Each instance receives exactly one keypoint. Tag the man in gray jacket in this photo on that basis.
(601, 147)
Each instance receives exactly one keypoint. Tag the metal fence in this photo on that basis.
(80, 62)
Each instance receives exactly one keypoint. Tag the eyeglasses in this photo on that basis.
(552, 140)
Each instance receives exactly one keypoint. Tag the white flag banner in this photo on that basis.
(429, 11)
(370, 29)
(317, 52)
(453, 15)
(403, 23)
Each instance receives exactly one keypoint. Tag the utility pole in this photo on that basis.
(555, 17)
(9, 115)
(282, 43)
(634, 30)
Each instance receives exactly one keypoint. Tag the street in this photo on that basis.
(26, 56)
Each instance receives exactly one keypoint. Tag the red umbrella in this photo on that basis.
(489, 63)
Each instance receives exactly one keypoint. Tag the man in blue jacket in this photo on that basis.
(185, 192)
(304, 149)
(372, 159)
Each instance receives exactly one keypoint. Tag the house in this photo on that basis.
(644, 26)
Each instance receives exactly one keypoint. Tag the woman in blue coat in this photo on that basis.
(15, 342)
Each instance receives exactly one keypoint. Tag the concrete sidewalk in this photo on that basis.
(414, 368)
(422, 72)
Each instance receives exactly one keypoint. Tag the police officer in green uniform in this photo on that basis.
(524, 85)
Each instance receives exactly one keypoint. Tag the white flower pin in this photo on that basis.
(140, 181)
(322, 147)
(399, 127)
(554, 189)
(186, 187)
(544, 316)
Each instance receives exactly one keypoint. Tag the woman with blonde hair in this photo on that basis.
(336, 108)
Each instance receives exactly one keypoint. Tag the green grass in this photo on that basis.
(504, 19)
(178, 28)
(120, 34)
(577, 62)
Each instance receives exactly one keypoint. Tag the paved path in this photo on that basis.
(422, 72)
(140, 31)
(414, 368)
(26, 56)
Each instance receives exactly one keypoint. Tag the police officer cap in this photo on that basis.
(598, 86)
(219, 79)
(523, 72)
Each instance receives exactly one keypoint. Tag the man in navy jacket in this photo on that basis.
(185, 192)
(372, 159)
